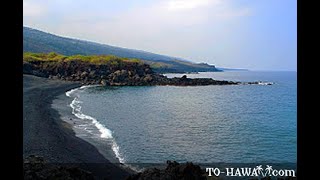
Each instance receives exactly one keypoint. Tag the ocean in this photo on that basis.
(202, 124)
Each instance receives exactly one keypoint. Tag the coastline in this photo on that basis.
(86, 127)
(47, 134)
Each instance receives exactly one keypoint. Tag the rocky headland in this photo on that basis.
(105, 70)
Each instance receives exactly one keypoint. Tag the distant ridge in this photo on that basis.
(58, 44)
(41, 42)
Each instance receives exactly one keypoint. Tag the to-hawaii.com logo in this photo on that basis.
(257, 171)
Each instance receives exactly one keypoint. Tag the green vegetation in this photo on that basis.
(93, 59)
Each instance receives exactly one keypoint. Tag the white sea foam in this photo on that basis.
(116, 150)
(265, 83)
(87, 86)
(69, 93)
(105, 133)
(258, 83)
(72, 91)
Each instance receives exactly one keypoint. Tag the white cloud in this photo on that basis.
(189, 4)
(33, 9)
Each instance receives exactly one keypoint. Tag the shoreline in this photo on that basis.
(48, 135)
(89, 128)
(85, 126)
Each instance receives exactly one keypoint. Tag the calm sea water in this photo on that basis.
(204, 124)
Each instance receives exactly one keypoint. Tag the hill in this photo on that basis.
(41, 42)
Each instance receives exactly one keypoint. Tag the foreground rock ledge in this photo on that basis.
(129, 74)
(35, 167)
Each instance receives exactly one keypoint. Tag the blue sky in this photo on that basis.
(252, 34)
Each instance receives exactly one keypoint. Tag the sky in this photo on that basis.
(251, 34)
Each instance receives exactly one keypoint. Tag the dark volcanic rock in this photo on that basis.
(125, 74)
(35, 167)
(27, 68)
(173, 171)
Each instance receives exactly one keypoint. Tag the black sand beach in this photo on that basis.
(46, 135)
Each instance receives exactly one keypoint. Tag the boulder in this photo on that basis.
(147, 78)
(84, 74)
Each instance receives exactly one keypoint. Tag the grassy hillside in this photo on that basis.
(40, 42)
(93, 59)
